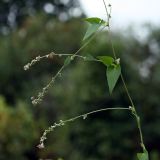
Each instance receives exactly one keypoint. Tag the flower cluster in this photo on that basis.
(28, 65)
(50, 129)
(41, 94)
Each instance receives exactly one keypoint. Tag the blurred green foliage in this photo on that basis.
(83, 87)
(18, 130)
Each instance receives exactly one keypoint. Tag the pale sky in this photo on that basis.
(125, 12)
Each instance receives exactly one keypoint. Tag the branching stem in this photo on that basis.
(41, 94)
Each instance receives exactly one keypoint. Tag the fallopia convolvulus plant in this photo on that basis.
(113, 73)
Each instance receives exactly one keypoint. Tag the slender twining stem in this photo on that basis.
(108, 15)
(133, 109)
(96, 111)
(127, 91)
(63, 122)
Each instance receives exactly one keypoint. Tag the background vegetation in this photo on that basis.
(83, 87)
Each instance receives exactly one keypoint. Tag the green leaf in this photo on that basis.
(143, 156)
(67, 61)
(95, 24)
(106, 60)
(91, 30)
(113, 73)
(94, 20)
(90, 58)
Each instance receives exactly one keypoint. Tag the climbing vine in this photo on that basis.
(113, 74)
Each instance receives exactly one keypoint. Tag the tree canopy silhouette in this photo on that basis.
(13, 12)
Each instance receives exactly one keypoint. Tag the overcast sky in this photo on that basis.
(125, 12)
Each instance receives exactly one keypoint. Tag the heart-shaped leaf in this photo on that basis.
(106, 60)
(113, 73)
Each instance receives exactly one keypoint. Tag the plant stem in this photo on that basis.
(63, 122)
(127, 91)
(96, 111)
(133, 108)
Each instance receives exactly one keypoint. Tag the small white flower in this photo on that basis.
(118, 61)
(26, 67)
(41, 146)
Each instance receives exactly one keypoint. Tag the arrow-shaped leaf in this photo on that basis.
(113, 73)
(95, 23)
(91, 29)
